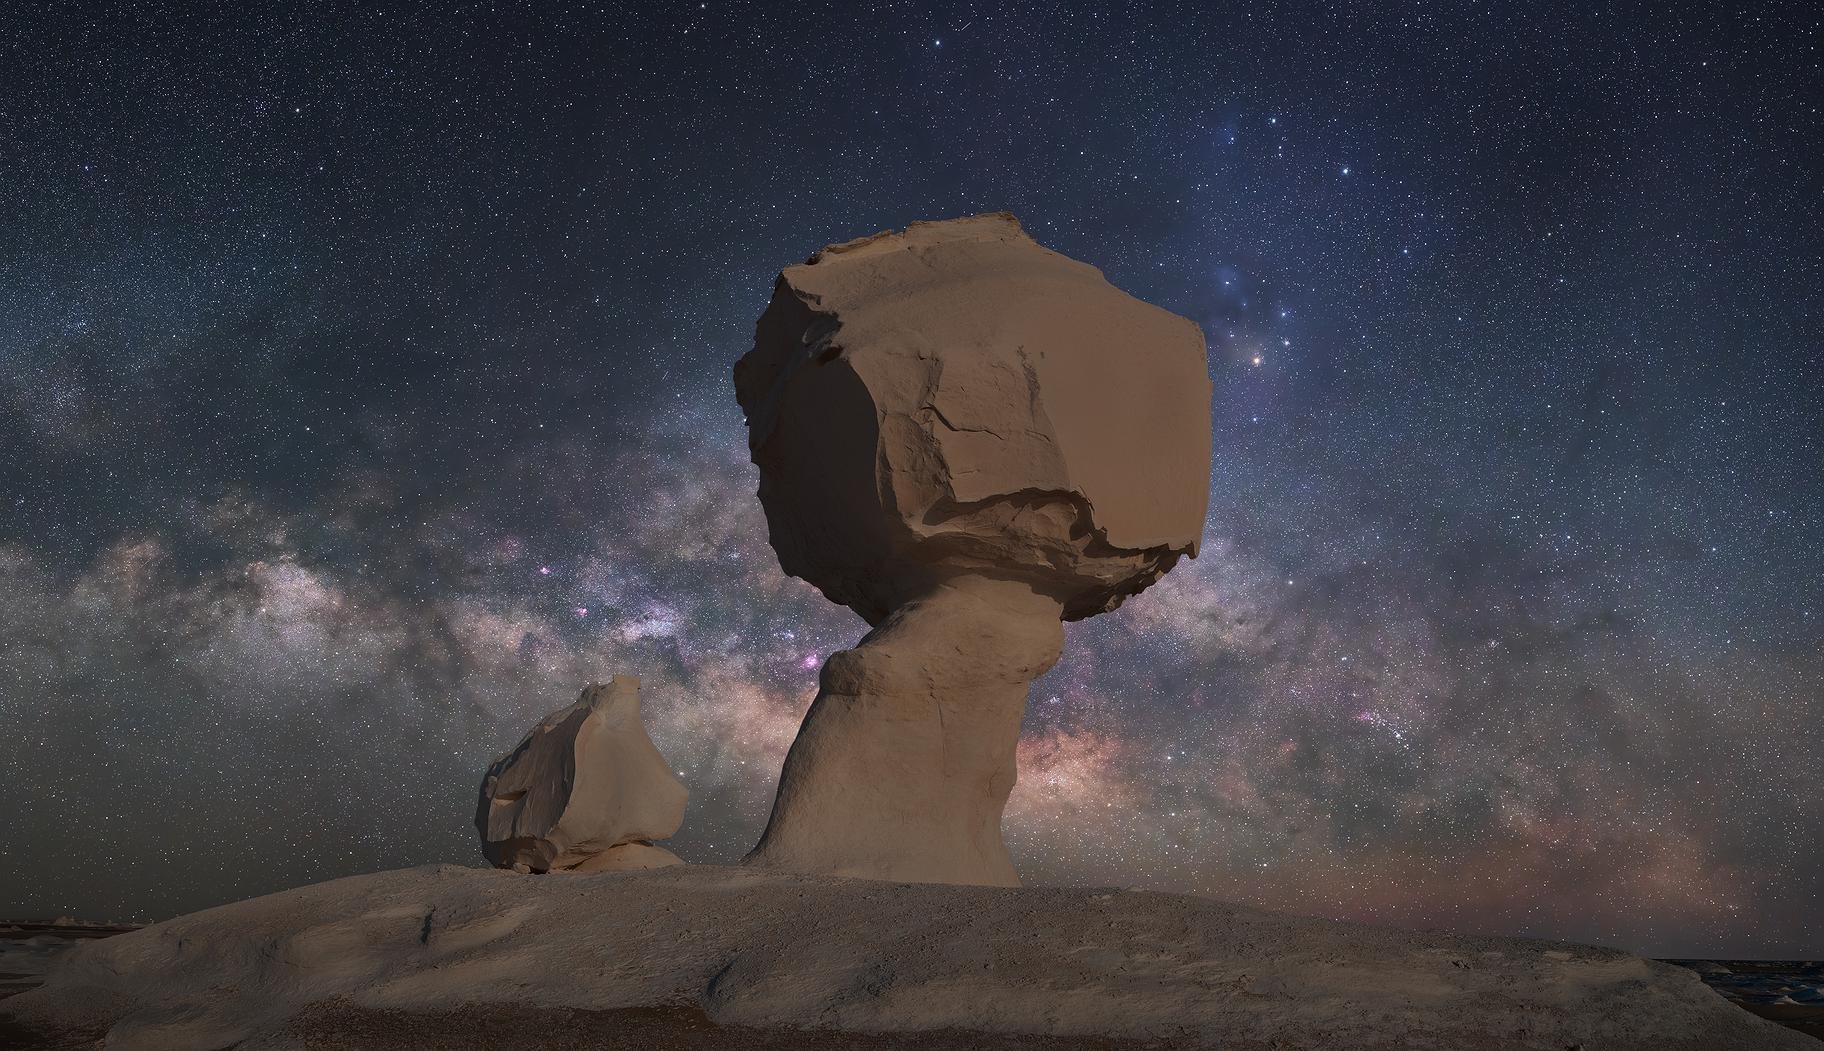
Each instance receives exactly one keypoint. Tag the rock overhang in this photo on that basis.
(954, 397)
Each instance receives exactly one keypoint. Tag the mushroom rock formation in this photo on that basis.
(966, 438)
(585, 791)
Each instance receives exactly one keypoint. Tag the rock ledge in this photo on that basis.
(765, 950)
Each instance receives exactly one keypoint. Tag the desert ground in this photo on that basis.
(714, 957)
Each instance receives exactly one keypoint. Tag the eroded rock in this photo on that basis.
(585, 790)
(448, 956)
(956, 398)
(965, 437)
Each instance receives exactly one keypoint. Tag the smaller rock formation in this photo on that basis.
(585, 791)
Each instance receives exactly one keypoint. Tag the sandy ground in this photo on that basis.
(707, 957)
(339, 1026)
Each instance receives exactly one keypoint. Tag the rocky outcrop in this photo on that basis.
(585, 790)
(966, 438)
(956, 398)
(437, 956)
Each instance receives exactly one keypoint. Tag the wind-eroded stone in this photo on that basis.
(955, 397)
(965, 437)
(585, 790)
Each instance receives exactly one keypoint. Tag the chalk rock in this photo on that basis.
(956, 397)
(966, 438)
(586, 789)
(627, 857)
(702, 956)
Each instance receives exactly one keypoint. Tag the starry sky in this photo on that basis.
(364, 391)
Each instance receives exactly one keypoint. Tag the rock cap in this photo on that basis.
(955, 398)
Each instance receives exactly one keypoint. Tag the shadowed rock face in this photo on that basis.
(964, 437)
(585, 790)
(956, 398)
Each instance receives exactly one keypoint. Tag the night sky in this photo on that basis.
(365, 391)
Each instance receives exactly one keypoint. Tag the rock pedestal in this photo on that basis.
(907, 755)
(966, 438)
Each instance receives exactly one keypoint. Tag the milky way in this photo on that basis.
(365, 393)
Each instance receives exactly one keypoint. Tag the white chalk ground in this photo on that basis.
(762, 951)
